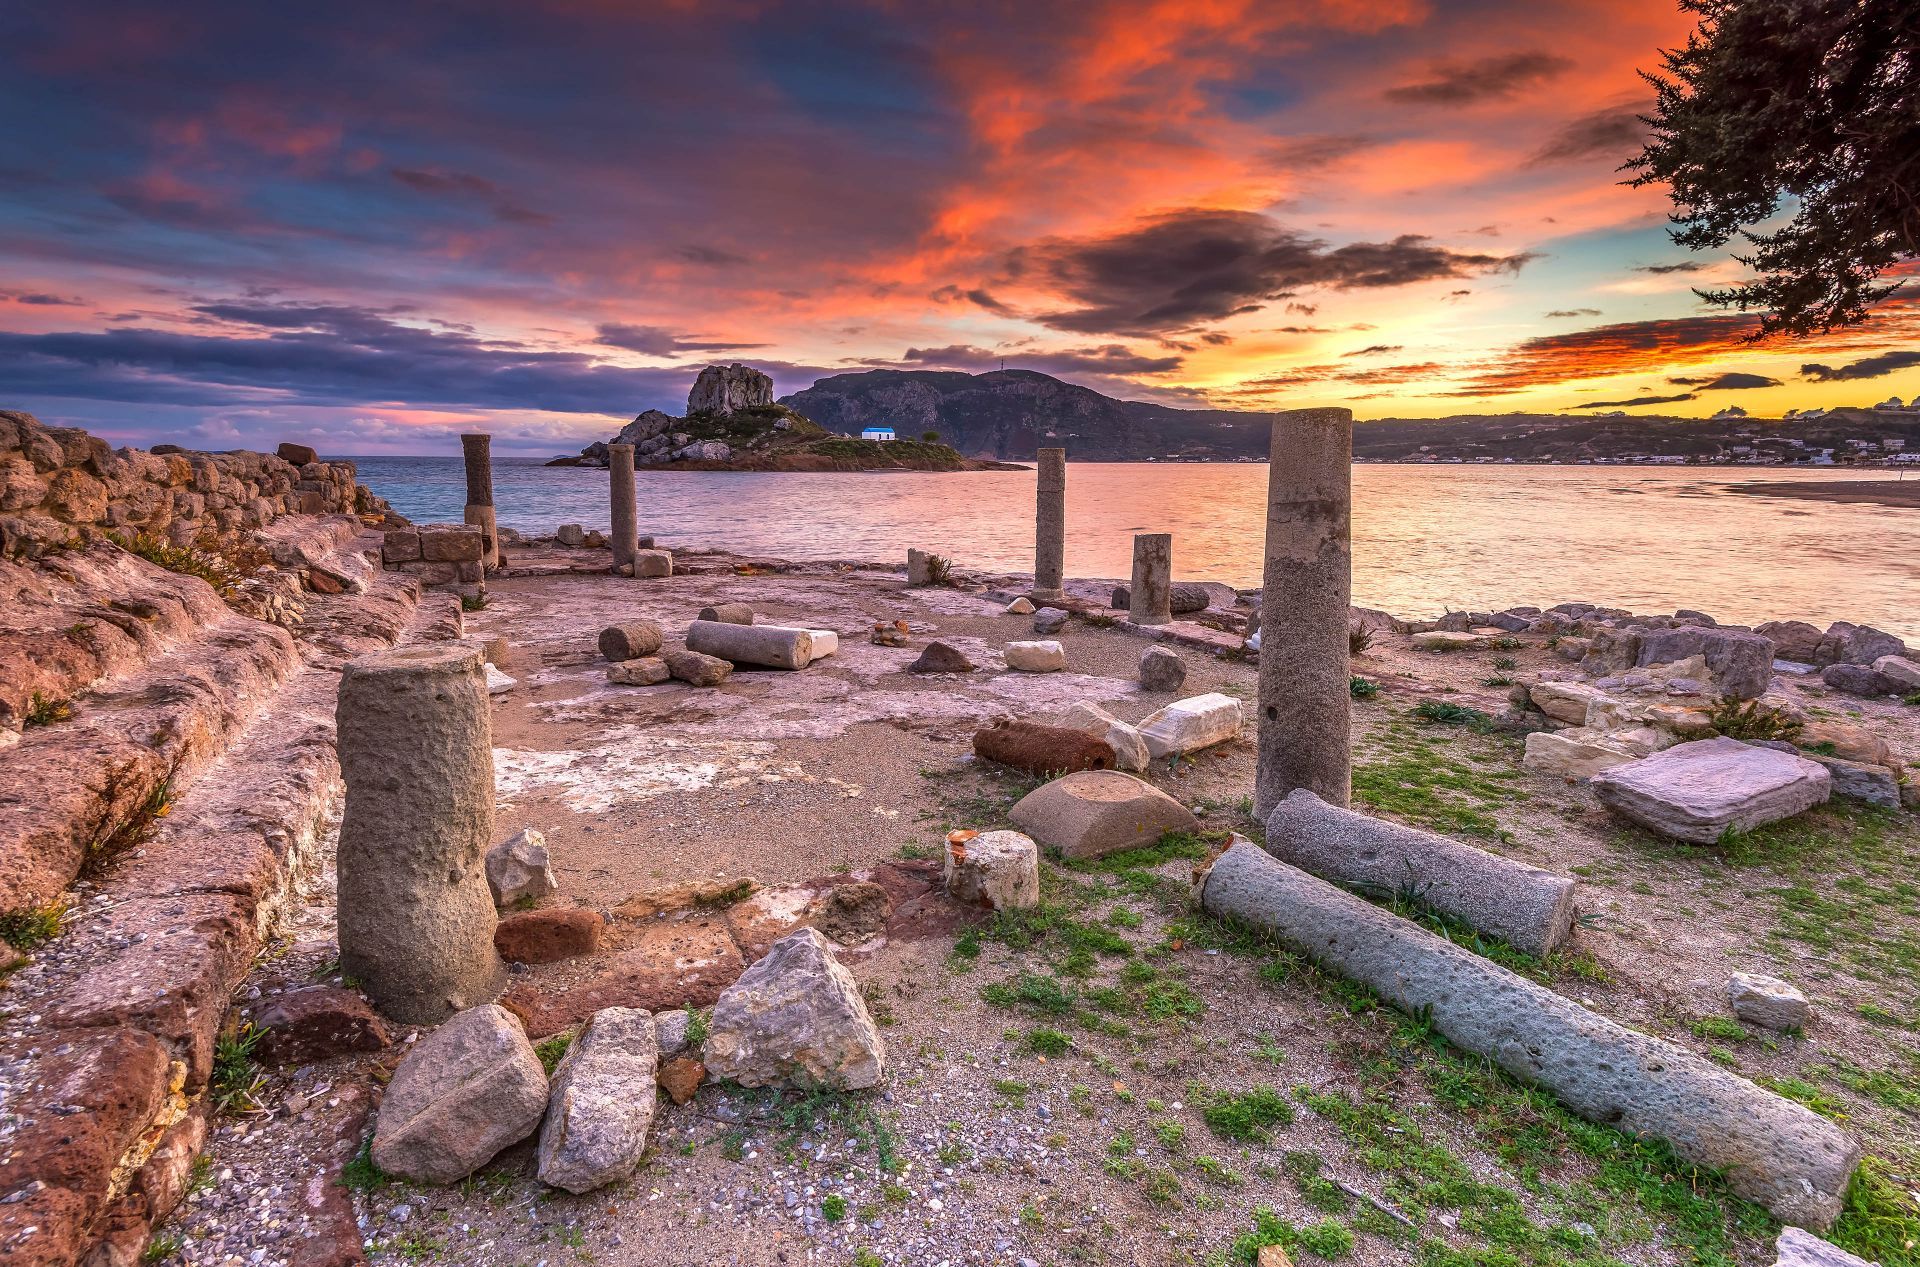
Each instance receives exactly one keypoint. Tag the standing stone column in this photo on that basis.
(1305, 700)
(1050, 526)
(415, 915)
(626, 530)
(1150, 598)
(478, 451)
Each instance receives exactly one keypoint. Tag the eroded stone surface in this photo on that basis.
(796, 1019)
(600, 1106)
(464, 1092)
(1767, 1001)
(1698, 791)
(1096, 812)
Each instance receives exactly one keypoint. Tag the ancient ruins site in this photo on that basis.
(514, 893)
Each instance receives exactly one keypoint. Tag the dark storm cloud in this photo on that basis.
(1613, 133)
(463, 187)
(1867, 367)
(1463, 83)
(1312, 153)
(975, 296)
(1661, 270)
(1637, 400)
(1110, 358)
(41, 299)
(1183, 268)
(1626, 347)
(1574, 312)
(660, 341)
(1731, 381)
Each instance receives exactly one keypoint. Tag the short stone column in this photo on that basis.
(626, 529)
(1305, 700)
(1150, 598)
(416, 917)
(1050, 526)
(477, 449)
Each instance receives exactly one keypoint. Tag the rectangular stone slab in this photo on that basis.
(1772, 1150)
(1698, 791)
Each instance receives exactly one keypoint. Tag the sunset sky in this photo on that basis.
(377, 224)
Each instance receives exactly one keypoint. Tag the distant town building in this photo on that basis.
(877, 433)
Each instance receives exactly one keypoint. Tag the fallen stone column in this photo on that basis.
(1773, 1151)
(625, 539)
(477, 449)
(1305, 696)
(728, 613)
(1149, 601)
(769, 646)
(1530, 908)
(416, 916)
(1050, 525)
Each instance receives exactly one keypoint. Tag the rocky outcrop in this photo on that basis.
(728, 389)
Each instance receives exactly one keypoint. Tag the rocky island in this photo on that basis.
(734, 424)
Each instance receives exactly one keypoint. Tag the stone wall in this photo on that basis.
(60, 486)
(443, 556)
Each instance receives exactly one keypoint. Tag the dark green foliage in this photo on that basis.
(1248, 1115)
(1749, 721)
(1813, 103)
(1447, 713)
(1362, 688)
(44, 710)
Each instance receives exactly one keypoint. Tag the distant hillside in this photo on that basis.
(1008, 414)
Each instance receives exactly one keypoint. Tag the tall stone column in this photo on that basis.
(415, 915)
(1305, 700)
(478, 451)
(1150, 599)
(1050, 526)
(626, 530)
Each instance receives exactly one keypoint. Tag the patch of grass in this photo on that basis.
(698, 1022)
(29, 930)
(1170, 1134)
(163, 1246)
(1033, 992)
(1806, 1093)
(1328, 1238)
(1014, 1091)
(1173, 845)
(236, 1077)
(1362, 688)
(915, 852)
(1215, 1171)
(473, 602)
(360, 1174)
(45, 710)
(1498, 679)
(1720, 1029)
(1359, 638)
(1880, 1220)
(1048, 1042)
(223, 565)
(552, 1050)
(1749, 720)
(833, 1207)
(1448, 713)
(1442, 787)
(133, 828)
(1248, 1115)
(1504, 662)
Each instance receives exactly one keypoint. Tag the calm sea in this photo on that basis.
(1426, 538)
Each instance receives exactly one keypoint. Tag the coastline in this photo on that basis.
(1899, 493)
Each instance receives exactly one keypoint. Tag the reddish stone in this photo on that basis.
(681, 1077)
(322, 582)
(332, 1236)
(298, 454)
(1038, 749)
(548, 936)
(45, 1228)
(318, 1023)
(163, 1180)
(671, 964)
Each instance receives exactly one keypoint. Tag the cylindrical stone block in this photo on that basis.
(1150, 598)
(1305, 700)
(728, 613)
(477, 449)
(416, 917)
(1050, 525)
(626, 526)
(768, 646)
(1772, 1150)
(631, 639)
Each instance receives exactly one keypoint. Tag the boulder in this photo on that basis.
(1767, 1002)
(1446, 640)
(467, 1090)
(601, 1105)
(1579, 753)
(573, 536)
(696, 669)
(728, 613)
(1699, 791)
(795, 1019)
(519, 869)
(1161, 671)
(298, 454)
(764, 646)
(1097, 812)
(940, 657)
(1897, 669)
(728, 389)
(1845, 740)
(652, 563)
(1739, 664)
(1049, 620)
(646, 671)
(1846, 643)
(999, 870)
(1022, 606)
(548, 936)
(1129, 747)
(630, 640)
(1038, 749)
(1189, 725)
(1861, 781)
(317, 1023)
(1856, 679)
(1564, 701)
(1036, 657)
(1792, 639)
(498, 683)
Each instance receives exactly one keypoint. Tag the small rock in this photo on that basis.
(853, 913)
(1856, 679)
(1902, 672)
(499, 683)
(939, 657)
(1129, 747)
(999, 870)
(1022, 606)
(601, 1105)
(464, 1092)
(1161, 670)
(1096, 812)
(1049, 620)
(795, 1019)
(654, 563)
(519, 870)
(1796, 1247)
(646, 671)
(573, 536)
(1767, 1002)
(1189, 725)
(681, 1078)
(1445, 640)
(697, 669)
(670, 1031)
(1036, 657)
(317, 1023)
(548, 936)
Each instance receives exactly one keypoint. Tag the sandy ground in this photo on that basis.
(1887, 492)
(1062, 1090)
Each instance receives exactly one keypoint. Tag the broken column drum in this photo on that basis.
(626, 527)
(416, 917)
(1150, 598)
(1050, 525)
(477, 449)
(1305, 697)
